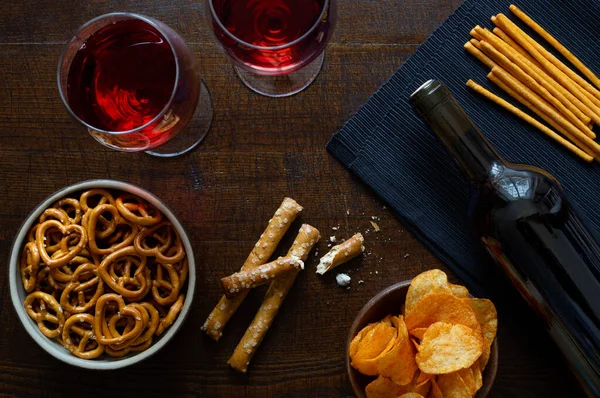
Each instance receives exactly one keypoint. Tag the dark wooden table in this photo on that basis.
(257, 151)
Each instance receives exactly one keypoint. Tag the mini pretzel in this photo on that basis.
(171, 315)
(83, 303)
(161, 284)
(341, 253)
(105, 197)
(129, 325)
(101, 324)
(88, 346)
(64, 274)
(46, 284)
(128, 258)
(151, 325)
(42, 316)
(240, 359)
(65, 230)
(138, 211)
(165, 238)
(249, 279)
(92, 230)
(29, 265)
(263, 249)
(70, 206)
(55, 214)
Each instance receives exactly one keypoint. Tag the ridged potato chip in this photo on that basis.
(435, 391)
(486, 315)
(377, 341)
(459, 291)
(452, 385)
(442, 307)
(446, 348)
(468, 378)
(399, 363)
(382, 387)
(418, 332)
(432, 281)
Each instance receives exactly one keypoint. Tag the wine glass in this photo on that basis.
(276, 46)
(133, 82)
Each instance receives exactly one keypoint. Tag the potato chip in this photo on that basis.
(418, 332)
(422, 387)
(442, 307)
(459, 290)
(411, 395)
(468, 378)
(435, 390)
(446, 348)
(377, 341)
(452, 385)
(485, 357)
(424, 376)
(486, 315)
(399, 363)
(477, 376)
(355, 343)
(432, 281)
(382, 387)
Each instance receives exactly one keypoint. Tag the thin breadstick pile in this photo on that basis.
(281, 274)
(530, 74)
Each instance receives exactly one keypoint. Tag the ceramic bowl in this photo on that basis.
(391, 301)
(18, 293)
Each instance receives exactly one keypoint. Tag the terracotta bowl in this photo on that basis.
(390, 301)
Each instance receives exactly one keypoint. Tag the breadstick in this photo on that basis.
(261, 275)
(263, 249)
(279, 288)
(542, 115)
(341, 253)
(531, 82)
(556, 44)
(544, 57)
(474, 50)
(475, 34)
(541, 104)
(524, 116)
(582, 112)
(507, 39)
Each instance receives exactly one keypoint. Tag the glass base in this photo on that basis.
(284, 85)
(192, 134)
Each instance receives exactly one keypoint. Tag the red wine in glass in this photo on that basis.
(132, 81)
(274, 38)
(122, 77)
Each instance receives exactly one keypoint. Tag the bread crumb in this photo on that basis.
(343, 279)
(375, 226)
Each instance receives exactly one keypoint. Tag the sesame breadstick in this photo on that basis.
(263, 249)
(341, 253)
(249, 279)
(279, 288)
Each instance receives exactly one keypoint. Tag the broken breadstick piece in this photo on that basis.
(240, 359)
(556, 44)
(263, 249)
(341, 253)
(249, 279)
(524, 116)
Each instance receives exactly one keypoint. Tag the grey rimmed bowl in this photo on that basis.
(18, 294)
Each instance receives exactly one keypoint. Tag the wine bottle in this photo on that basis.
(523, 217)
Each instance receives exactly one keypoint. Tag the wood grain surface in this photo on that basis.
(257, 151)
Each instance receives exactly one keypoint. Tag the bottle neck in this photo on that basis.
(469, 148)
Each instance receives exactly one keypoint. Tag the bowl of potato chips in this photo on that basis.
(423, 338)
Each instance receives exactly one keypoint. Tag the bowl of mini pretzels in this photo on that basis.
(102, 274)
